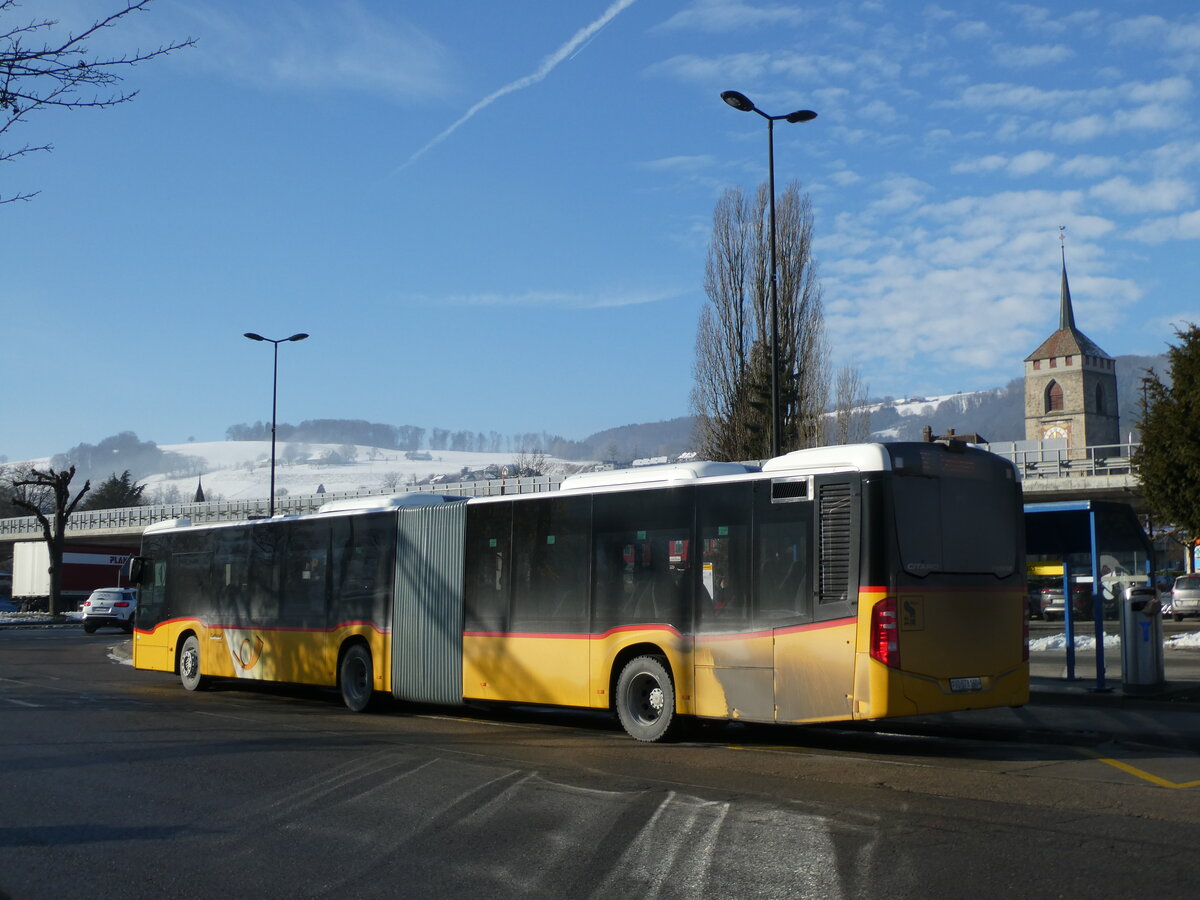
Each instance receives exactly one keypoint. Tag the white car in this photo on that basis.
(110, 606)
(1185, 597)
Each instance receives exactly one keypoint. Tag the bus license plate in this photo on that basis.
(966, 684)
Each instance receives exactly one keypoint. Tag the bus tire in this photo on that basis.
(189, 665)
(646, 699)
(355, 678)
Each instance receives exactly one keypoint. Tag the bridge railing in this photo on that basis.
(136, 518)
(1076, 462)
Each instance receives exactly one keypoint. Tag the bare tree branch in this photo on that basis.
(61, 74)
(47, 495)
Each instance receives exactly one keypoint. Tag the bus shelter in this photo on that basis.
(1098, 549)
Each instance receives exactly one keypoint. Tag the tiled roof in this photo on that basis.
(1067, 342)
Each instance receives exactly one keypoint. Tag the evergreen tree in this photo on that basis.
(116, 492)
(1168, 461)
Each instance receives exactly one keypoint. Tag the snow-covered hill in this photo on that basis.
(240, 470)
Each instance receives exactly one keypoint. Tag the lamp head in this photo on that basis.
(801, 115)
(737, 100)
(253, 336)
(301, 336)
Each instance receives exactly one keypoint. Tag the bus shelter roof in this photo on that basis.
(1063, 528)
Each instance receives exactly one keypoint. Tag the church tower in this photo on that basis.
(1070, 385)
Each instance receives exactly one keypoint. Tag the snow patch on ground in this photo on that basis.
(1189, 641)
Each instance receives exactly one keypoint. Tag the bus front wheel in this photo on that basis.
(646, 698)
(189, 665)
(355, 677)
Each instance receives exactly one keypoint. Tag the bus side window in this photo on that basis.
(784, 559)
(550, 554)
(723, 594)
(305, 582)
(363, 551)
(152, 590)
(231, 576)
(634, 578)
(488, 554)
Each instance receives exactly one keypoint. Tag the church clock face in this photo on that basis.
(1054, 432)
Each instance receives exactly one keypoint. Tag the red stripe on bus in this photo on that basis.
(252, 627)
(575, 635)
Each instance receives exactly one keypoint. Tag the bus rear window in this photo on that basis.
(956, 525)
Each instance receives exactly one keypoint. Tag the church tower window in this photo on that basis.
(1054, 397)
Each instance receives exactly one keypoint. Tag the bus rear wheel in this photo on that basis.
(355, 678)
(189, 665)
(646, 698)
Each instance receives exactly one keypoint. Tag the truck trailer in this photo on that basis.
(85, 567)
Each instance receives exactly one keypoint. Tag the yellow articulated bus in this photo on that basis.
(832, 584)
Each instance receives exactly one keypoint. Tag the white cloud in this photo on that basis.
(1173, 158)
(1031, 56)
(322, 48)
(1030, 162)
(972, 30)
(1023, 164)
(1152, 117)
(1167, 90)
(879, 111)
(723, 16)
(1184, 227)
(742, 67)
(1020, 97)
(1161, 195)
(1084, 128)
(990, 163)
(900, 193)
(1085, 166)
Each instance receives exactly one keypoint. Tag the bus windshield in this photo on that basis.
(953, 515)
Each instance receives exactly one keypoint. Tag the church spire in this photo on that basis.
(1066, 315)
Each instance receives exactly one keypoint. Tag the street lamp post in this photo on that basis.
(742, 103)
(274, 398)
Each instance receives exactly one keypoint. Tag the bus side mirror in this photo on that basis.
(137, 568)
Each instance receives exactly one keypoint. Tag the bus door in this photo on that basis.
(807, 539)
(733, 656)
(149, 640)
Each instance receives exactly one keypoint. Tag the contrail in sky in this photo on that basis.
(548, 65)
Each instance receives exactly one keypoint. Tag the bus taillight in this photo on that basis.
(885, 633)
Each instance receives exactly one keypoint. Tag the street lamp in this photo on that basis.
(742, 103)
(274, 397)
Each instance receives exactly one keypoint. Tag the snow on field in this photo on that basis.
(241, 470)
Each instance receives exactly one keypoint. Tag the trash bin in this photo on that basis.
(1141, 640)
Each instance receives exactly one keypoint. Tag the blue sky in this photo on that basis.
(494, 215)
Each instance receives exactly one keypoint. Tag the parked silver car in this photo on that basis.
(1185, 597)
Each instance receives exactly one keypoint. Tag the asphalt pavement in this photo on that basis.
(1060, 709)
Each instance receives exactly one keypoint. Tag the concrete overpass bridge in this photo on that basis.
(1089, 473)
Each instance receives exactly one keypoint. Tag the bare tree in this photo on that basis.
(47, 495)
(58, 71)
(851, 420)
(731, 394)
